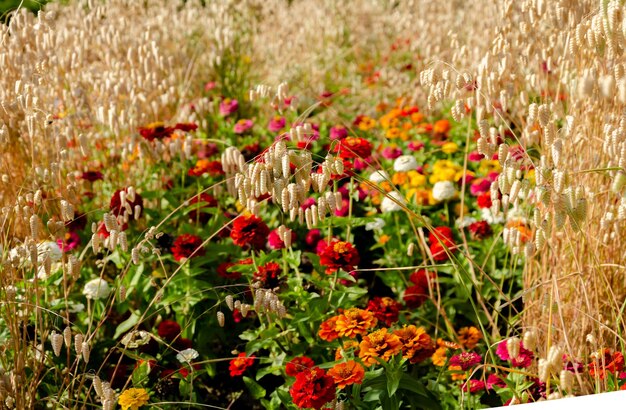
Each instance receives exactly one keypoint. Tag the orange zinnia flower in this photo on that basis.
(328, 329)
(469, 337)
(345, 374)
(417, 345)
(379, 344)
(440, 356)
(441, 127)
(354, 322)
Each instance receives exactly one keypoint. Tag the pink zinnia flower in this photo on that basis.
(242, 126)
(524, 359)
(474, 156)
(70, 242)
(465, 360)
(391, 152)
(228, 106)
(338, 132)
(415, 145)
(276, 124)
(495, 380)
(480, 186)
(473, 385)
(275, 242)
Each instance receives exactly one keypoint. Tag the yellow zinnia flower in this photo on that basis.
(450, 148)
(133, 399)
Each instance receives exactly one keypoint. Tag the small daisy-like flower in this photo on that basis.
(96, 289)
(405, 163)
(133, 399)
(187, 355)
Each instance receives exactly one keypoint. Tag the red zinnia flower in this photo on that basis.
(168, 330)
(128, 207)
(440, 239)
(353, 147)
(298, 364)
(249, 231)
(313, 388)
(484, 200)
(339, 255)
(385, 309)
(92, 176)
(186, 245)
(269, 275)
(416, 295)
(480, 230)
(239, 365)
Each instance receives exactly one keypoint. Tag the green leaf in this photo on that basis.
(255, 388)
(126, 325)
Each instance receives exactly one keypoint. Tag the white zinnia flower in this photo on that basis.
(465, 222)
(443, 190)
(375, 225)
(378, 176)
(96, 289)
(187, 355)
(405, 163)
(491, 219)
(390, 202)
(51, 249)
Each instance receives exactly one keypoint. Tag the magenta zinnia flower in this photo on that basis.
(242, 126)
(71, 241)
(228, 106)
(338, 132)
(465, 360)
(524, 359)
(276, 124)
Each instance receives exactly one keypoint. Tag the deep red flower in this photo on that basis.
(186, 245)
(127, 208)
(92, 176)
(156, 130)
(480, 230)
(269, 275)
(416, 295)
(484, 200)
(353, 147)
(298, 364)
(168, 330)
(339, 255)
(607, 362)
(198, 214)
(385, 309)
(250, 231)
(313, 388)
(239, 365)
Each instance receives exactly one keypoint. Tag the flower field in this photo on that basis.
(312, 205)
